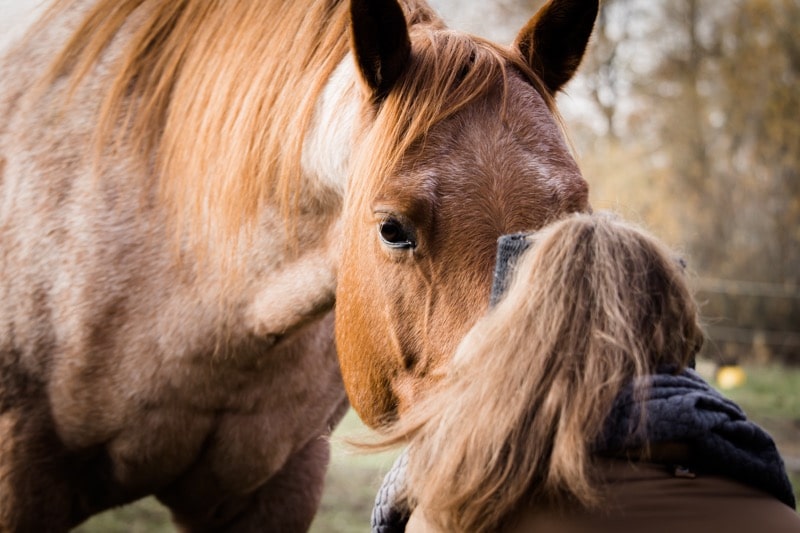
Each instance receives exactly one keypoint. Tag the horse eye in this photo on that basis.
(395, 235)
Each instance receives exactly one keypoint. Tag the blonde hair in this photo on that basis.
(594, 304)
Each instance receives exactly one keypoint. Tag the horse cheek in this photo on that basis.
(361, 345)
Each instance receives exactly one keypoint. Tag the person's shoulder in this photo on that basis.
(656, 497)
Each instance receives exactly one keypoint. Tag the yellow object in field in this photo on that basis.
(730, 377)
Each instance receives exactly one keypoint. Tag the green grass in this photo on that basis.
(770, 397)
(144, 516)
(769, 392)
(352, 482)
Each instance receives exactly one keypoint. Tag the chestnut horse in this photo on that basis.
(187, 187)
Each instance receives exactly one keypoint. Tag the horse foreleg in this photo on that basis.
(34, 492)
(286, 503)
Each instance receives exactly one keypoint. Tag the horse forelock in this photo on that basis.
(448, 71)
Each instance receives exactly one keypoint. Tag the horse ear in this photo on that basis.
(554, 40)
(380, 42)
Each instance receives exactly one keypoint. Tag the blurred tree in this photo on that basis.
(724, 98)
(610, 62)
(703, 139)
(759, 75)
(678, 96)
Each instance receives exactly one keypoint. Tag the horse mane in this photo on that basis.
(594, 304)
(216, 98)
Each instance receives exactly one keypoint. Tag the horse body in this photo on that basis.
(199, 364)
(142, 373)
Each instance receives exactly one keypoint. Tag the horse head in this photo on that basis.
(458, 143)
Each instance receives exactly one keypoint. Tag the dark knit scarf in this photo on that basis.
(684, 408)
(509, 249)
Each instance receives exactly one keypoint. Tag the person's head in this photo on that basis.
(594, 303)
(602, 286)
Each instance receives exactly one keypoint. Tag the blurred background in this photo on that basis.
(685, 117)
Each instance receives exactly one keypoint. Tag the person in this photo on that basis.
(572, 406)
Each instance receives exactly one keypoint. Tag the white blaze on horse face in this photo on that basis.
(327, 148)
